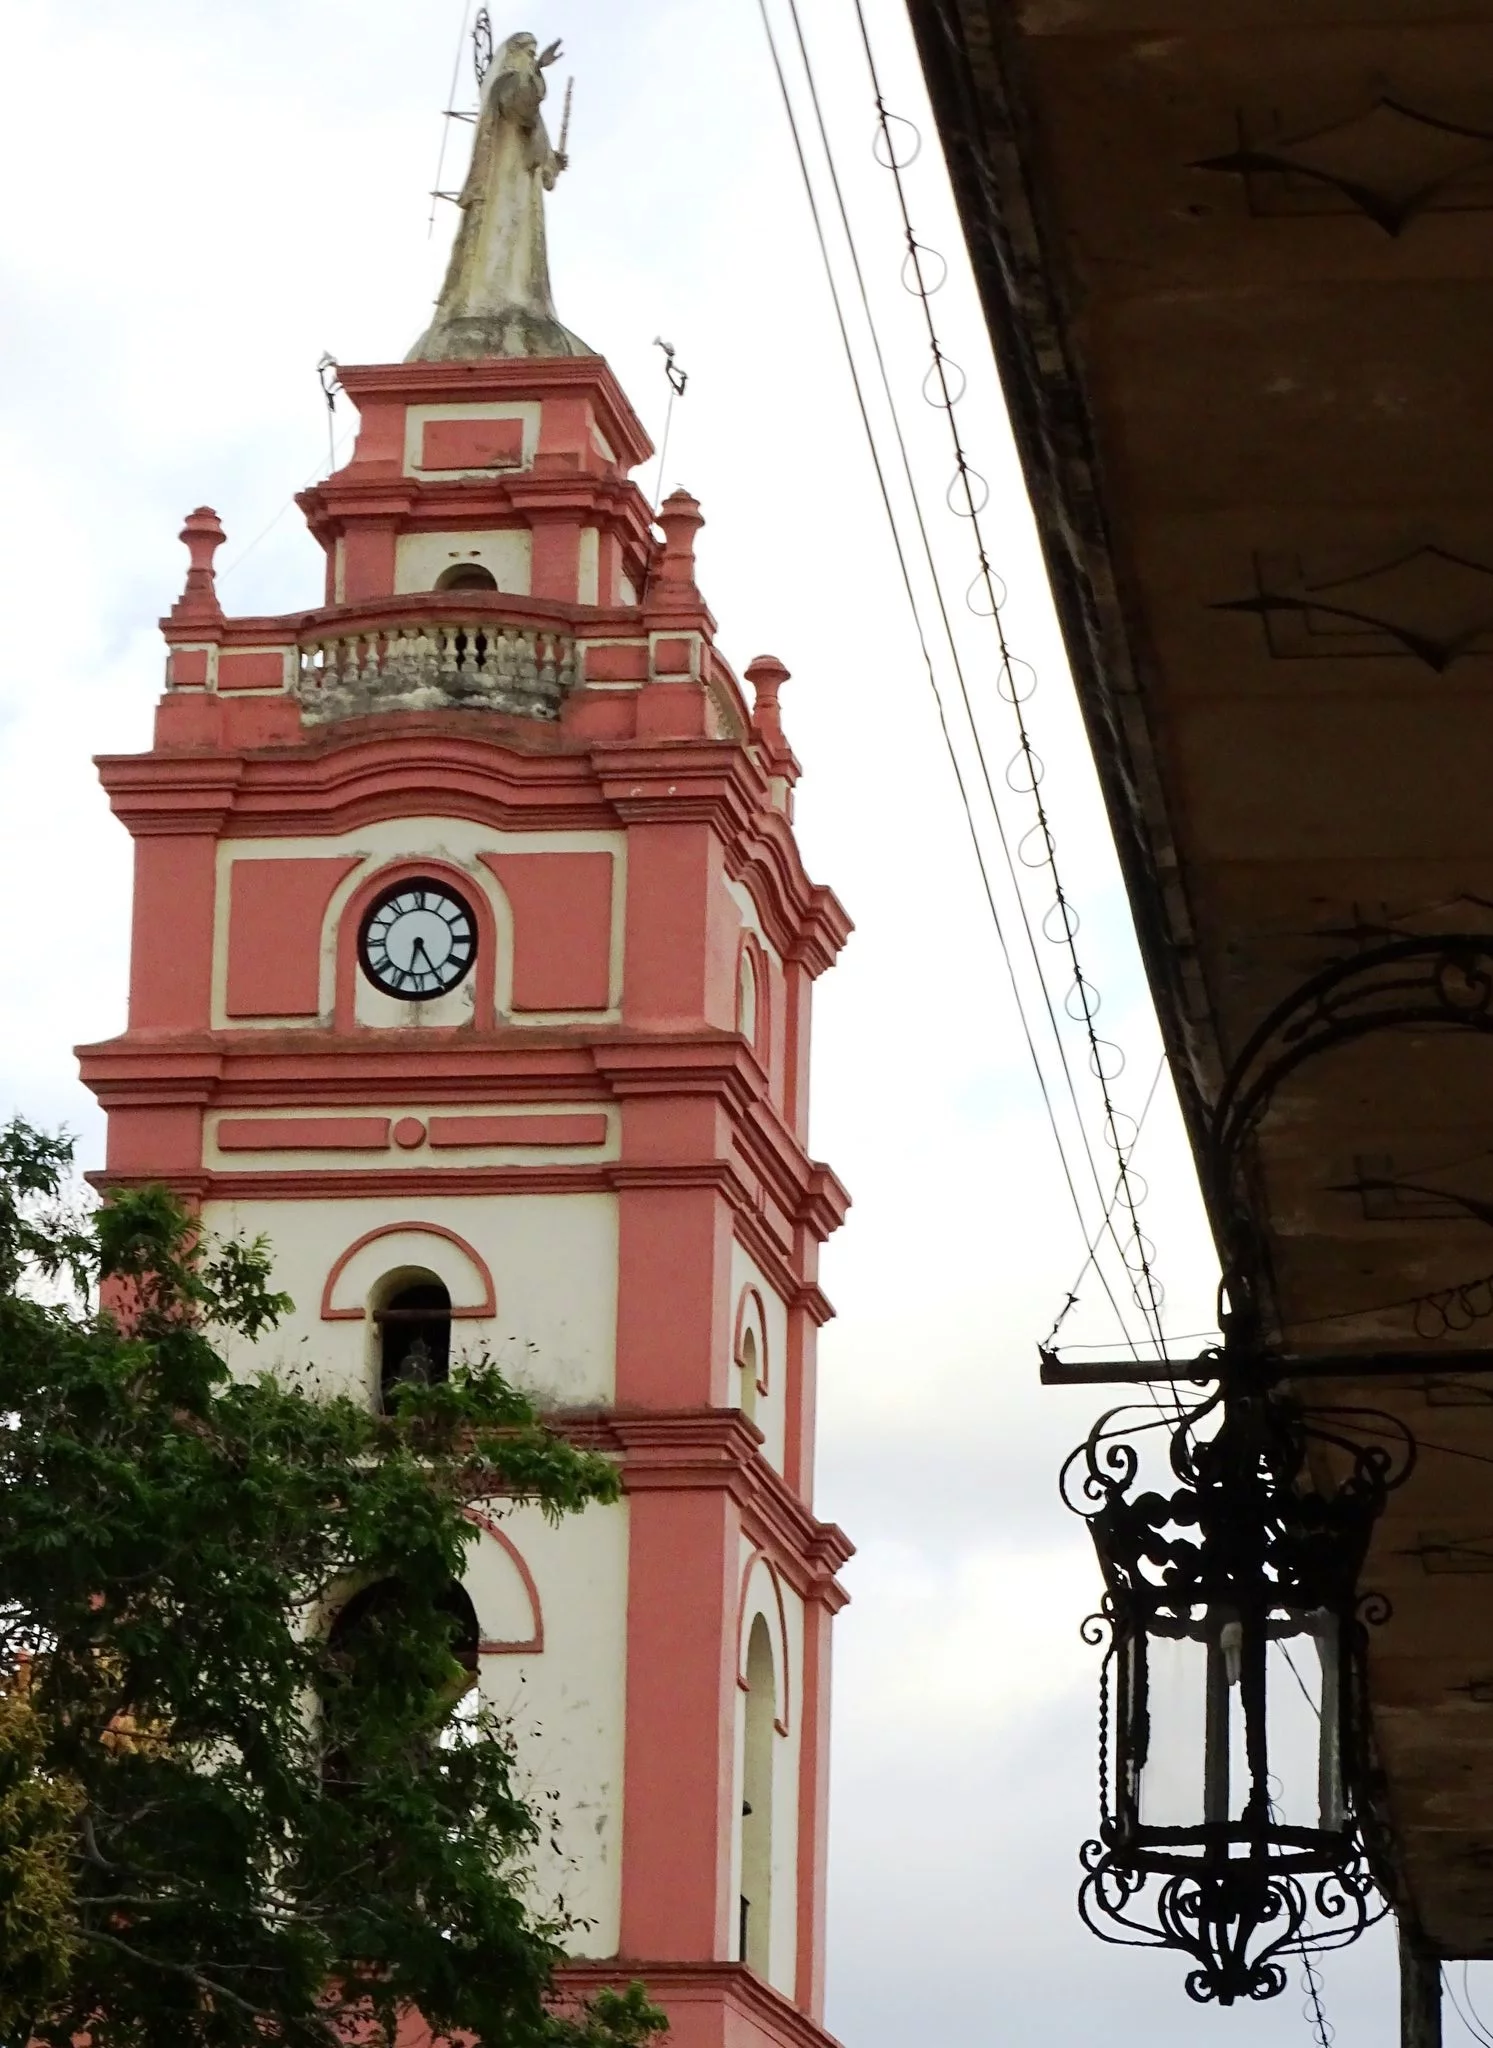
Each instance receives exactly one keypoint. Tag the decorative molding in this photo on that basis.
(719, 1449)
(303, 1134)
(488, 1306)
(781, 1721)
(1390, 162)
(748, 1297)
(1426, 602)
(534, 1644)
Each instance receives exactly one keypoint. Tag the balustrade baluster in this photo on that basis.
(468, 661)
(447, 663)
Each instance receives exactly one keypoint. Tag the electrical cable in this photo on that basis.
(1315, 1408)
(446, 119)
(1324, 2033)
(965, 477)
(1173, 1337)
(1071, 1300)
(1107, 1205)
(913, 606)
(1477, 2031)
(1478, 2019)
(265, 531)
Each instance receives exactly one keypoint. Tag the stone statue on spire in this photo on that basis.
(496, 297)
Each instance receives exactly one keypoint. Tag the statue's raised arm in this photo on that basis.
(496, 298)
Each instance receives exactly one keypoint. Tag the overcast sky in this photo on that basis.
(203, 199)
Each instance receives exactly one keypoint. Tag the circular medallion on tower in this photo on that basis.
(418, 939)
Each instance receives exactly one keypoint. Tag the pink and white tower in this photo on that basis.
(472, 964)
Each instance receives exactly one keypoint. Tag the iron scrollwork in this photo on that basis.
(1427, 982)
(1241, 1554)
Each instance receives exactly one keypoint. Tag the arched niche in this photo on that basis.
(752, 996)
(466, 576)
(749, 1349)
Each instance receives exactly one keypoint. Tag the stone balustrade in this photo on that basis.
(436, 665)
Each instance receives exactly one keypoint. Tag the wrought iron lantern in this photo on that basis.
(1232, 1717)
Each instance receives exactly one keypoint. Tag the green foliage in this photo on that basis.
(219, 1824)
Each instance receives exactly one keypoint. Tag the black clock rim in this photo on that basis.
(440, 888)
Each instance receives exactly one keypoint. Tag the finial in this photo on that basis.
(767, 675)
(681, 519)
(203, 534)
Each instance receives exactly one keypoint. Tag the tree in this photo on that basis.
(223, 1820)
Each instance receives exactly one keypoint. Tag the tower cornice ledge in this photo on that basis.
(419, 383)
(674, 1449)
(692, 1990)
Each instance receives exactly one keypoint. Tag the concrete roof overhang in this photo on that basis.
(1236, 257)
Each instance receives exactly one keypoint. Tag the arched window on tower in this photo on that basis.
(359, 1631)
(413, 1321)
(466, 576)
(756, 1804)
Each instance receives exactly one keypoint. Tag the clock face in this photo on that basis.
(418, 940)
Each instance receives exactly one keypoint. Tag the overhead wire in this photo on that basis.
(1478, 2020)
(1070, 1301)
(265, 531)
(1473, 2025)
(448, 117)
(1082, 989)
(1106, 1202)
(1324, 2033)
(927, 658)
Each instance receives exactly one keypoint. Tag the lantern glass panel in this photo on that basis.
(1173, 1763)
(1302, 1694)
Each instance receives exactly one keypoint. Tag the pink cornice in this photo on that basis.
(536, 376)
(754, 2014)
(718, 1448)
(804, 920)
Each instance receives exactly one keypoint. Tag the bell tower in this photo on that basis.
(472, 965)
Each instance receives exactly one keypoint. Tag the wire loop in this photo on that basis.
(895, 153)
(968, 493)
(945, 384)
(924, 272)
(1017, 681)
(1024, 771)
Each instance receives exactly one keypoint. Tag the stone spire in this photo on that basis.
(496, 297)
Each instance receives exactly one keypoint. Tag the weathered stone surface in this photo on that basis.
(524, 671)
